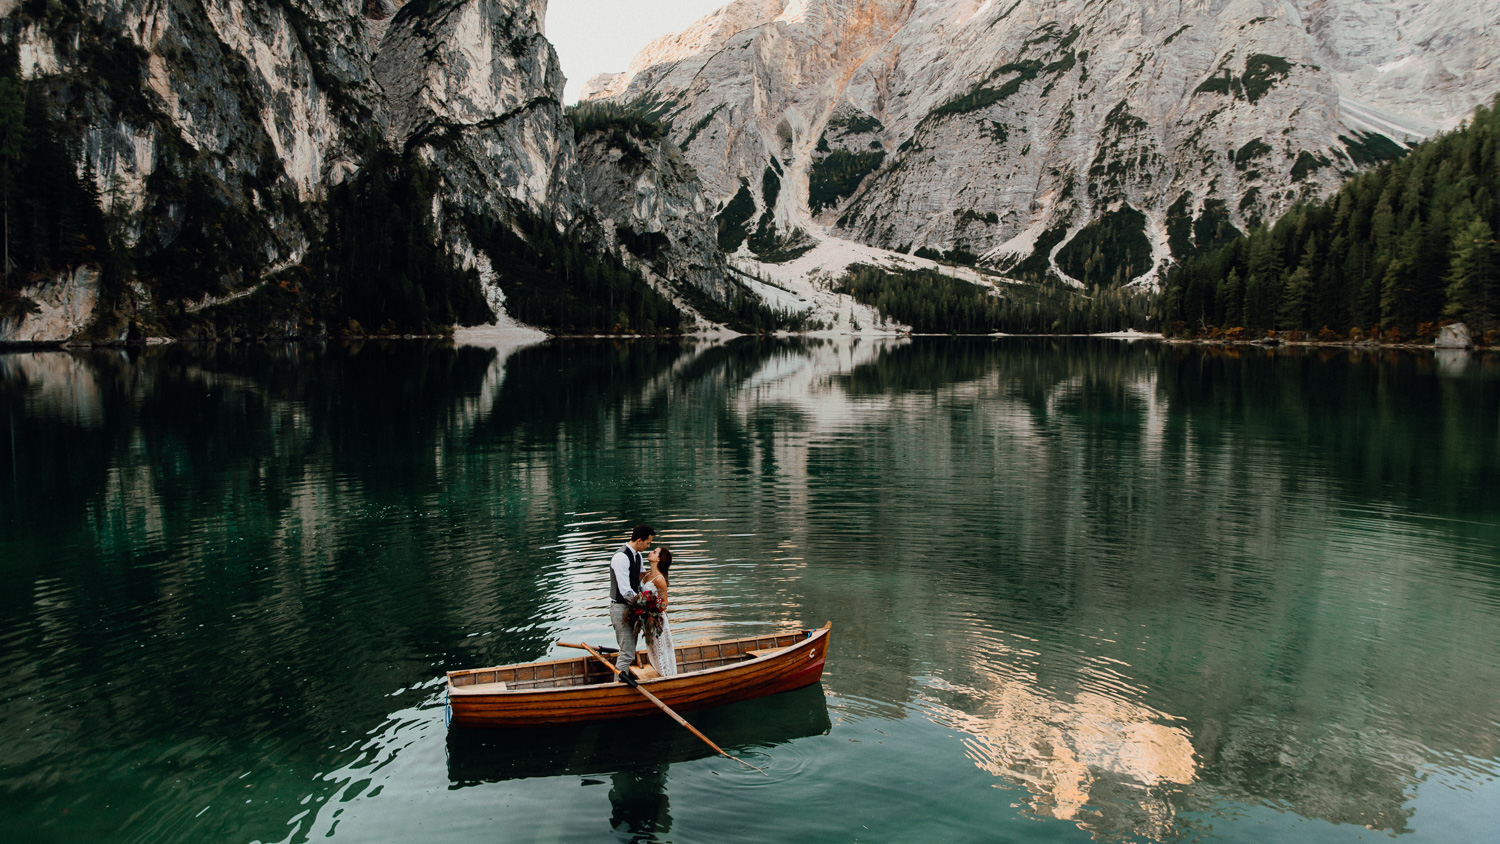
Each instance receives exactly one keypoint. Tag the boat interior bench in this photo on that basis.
(587, 671)
(697, 656)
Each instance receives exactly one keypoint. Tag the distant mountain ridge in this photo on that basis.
(1092, 140)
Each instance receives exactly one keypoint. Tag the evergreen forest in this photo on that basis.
(559, 283)
(934, 303)
(380, 265)
(1394, 254)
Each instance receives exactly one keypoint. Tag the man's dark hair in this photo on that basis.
(642, 532)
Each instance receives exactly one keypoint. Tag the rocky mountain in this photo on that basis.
(299, 166)
(1090, 140)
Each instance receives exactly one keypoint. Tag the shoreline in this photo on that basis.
(1368, 345)
(519, 335)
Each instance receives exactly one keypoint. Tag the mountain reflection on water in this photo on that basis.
(1138, 589)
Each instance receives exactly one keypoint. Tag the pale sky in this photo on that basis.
(602, 36)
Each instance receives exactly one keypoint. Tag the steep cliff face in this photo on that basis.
(233, 147)
(1094, 140)
(648, 198)
(476, 85)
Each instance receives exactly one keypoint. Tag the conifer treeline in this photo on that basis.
(1397, 251)
(933, 303)
(608, 116)
(555, 281)
(381, 264)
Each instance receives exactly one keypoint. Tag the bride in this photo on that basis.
(659, 645)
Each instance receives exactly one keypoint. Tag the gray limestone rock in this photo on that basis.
(1454, 336)
(477, 88)
(62, 307)
(648, 197)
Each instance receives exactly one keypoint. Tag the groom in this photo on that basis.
(624, 584)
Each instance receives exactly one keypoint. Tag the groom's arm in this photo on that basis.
(619, 567)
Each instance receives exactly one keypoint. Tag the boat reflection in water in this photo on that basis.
(634, 756)
(636, 746)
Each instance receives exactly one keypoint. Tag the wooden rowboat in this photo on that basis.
(581, 690)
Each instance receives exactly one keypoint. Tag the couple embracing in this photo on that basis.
(638, 601)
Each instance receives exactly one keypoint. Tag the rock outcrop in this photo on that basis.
(1454, 336)
(1094, 140)
(477, 86)
(59, 308)
(648, 198)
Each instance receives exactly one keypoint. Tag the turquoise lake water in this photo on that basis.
(1082, 590)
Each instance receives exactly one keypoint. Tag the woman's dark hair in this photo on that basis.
(664, 561)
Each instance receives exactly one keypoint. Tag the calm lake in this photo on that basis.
(1081, 590)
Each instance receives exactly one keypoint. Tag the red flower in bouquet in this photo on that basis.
(645, 613)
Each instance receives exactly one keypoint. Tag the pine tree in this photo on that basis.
(1292, 313)
(1394, 291)
(1392, 249)
(1262, 287)
(1232, 295)
(1474, 279)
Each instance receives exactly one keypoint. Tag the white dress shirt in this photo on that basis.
(619, 566)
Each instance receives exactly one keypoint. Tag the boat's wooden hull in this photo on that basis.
(474, 700)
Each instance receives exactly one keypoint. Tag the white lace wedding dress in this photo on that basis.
(659, 645)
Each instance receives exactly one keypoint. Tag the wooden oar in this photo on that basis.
(663, 707)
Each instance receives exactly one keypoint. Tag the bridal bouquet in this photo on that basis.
(645, 613)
